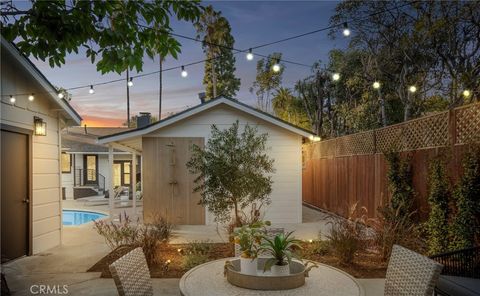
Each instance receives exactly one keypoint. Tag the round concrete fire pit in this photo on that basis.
(209, 280)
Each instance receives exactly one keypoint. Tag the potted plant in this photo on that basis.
(248, 238)
(281, 249)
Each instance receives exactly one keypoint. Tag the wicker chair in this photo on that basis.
(131, 274)
(410, 273)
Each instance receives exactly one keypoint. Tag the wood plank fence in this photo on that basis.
(352, 169)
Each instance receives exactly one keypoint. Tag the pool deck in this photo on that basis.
(82, 247)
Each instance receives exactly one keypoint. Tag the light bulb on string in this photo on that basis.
(60, 95)
(31, 98)
(249, 55)
(412, 89)
(130, 82)
(346, 30)
(466, 93)
(376, 85)
(336, 76)
(276, 66)
(12, 99)
(91, 90)
(184, 72)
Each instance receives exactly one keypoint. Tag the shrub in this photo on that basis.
(196, 253)
(123, 233)
(400, 181)
(394, 226)
(437, 224)
(189, 261)
(316, 247)
(467, 198)
(126, 233)
(347, 236)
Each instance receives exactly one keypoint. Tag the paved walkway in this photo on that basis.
(82, 247)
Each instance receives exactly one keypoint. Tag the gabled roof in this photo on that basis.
(50, 90)
(200, 108)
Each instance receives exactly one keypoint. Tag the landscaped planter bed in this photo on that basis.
(367, 264)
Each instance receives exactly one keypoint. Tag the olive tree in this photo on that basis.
(234, 171)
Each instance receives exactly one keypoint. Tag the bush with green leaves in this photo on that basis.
(133, 234)
(436, 226)
(348, 236)
(400, 181)
(465, 226)
(233, 171)
(196, 253)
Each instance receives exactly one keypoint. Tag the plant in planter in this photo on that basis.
(248, 238)
(281, 248)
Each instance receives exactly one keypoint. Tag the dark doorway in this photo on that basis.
(15, 194)
(90, 169)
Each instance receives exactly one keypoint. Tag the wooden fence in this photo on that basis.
(352, 169)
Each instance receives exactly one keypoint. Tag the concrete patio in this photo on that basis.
(82, 247)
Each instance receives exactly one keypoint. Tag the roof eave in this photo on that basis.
(70, 113)
(197, 109)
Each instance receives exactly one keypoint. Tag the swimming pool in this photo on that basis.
(75, 217)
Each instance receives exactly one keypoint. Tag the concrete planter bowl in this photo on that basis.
(265, 280)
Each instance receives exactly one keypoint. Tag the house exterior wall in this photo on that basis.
(103, 169)
(46, 194)
(284, 148)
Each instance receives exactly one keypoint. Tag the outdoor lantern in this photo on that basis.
(40, 126)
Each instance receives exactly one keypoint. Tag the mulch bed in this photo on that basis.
(366, 264)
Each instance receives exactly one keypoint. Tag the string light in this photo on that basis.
(250, 55)
(376, 85)
(346, 30)
(12, 99)
(336, 76)
(276, 66)
(91, 90)
(466, 93)
(31, 98)
(184, 72)
(412, 89)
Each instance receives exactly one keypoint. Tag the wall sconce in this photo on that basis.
(40, 126)
(313, 138)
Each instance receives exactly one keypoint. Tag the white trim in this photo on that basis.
(41, 80)
(94, 152)
(198, 109)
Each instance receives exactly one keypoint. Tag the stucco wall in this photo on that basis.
(284, 147)
(46, 199)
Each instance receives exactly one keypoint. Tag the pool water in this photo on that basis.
(71, 217)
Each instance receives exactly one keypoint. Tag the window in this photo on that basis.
(66, 163)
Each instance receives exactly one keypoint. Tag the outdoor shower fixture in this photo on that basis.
(172, 181)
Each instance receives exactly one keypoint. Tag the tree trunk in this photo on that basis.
(382, 108)
(160, 86)
(214, 80)
(237, 219)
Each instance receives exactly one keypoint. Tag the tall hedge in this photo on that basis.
(437, 224)
(400, 181)
(465, 225)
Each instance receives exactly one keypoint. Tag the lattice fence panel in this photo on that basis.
(325, 149)
(467, 124)
(360, 143)
(428, 132)
(388, 138)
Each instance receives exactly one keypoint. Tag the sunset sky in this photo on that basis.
(252, 23)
